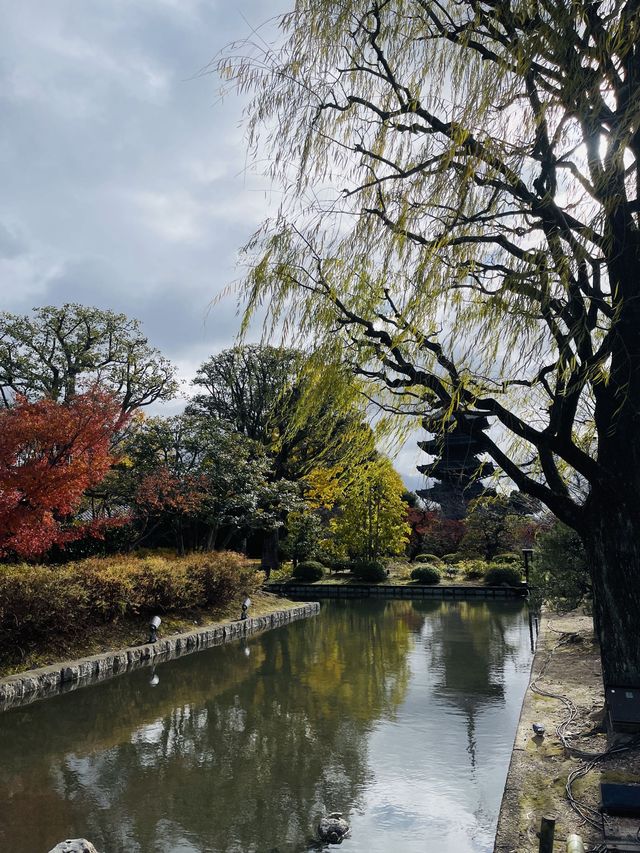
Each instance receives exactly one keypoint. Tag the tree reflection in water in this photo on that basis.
(227, 752)
(241, 748)
(469, 644)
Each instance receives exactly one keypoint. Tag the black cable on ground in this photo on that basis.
(586, 812)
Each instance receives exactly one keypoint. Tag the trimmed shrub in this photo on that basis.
(309, 571)
(497, 575)
(473, 569)
(338, 565)
(431, 559)
(370, 571)
(38, 603)
(222, 575)
(426, 574)
(449, 559)
(510, 558)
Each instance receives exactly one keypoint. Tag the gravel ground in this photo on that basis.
(566, 664)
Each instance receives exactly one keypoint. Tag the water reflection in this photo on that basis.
(468, 645)
(229, 751)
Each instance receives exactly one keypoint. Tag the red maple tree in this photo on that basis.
(50, 454)
(433, 533)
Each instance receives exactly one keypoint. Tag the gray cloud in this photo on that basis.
(123, 177)
(12, 243)
(120, 166)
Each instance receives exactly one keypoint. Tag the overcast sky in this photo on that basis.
(123, 177)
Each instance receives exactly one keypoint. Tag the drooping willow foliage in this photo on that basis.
(460, 216)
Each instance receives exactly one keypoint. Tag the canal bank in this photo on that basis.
(565, 693)
(46, 681)
(460, 592)
(398, 714)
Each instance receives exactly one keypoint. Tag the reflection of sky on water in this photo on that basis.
(431, 783)
(400, 715)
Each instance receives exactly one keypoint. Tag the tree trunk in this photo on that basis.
(612, 543)
(270, 559)
(211, 538)
(179, 540)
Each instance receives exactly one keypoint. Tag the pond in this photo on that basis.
(399, 714)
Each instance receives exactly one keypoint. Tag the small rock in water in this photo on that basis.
(333, 828)
(74, 845)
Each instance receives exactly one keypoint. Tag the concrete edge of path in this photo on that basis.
(507, 830)
(46, 681)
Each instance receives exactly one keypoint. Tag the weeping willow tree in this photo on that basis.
(460, 223)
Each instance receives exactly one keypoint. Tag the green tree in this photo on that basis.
(303, 417)
(559, 571)
(481, 251)
(304, 534)
(194, 480)
(59, 352)
(276, 397)
(371, 519)
(491, 526)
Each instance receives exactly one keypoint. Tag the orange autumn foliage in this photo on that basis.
(50, 454)
(164, 492)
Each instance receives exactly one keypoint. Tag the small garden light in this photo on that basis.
(153, 628)
(246, 604)
(538, 729)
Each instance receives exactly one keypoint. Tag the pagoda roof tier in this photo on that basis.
(448, 469)
(451, 440)
(445, 490)
(452, 498)
(466, 422)
(451, 474)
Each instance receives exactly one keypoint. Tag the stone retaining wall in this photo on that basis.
(336, 590)
(62, 677)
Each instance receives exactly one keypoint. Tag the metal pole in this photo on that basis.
(575, 844)
(547, 833)
(531, 640)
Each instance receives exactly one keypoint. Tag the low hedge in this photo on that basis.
(309, 570)
(497, 575)
(510, 558)
(431, 559)
(369, 571)
(66, 601)
(449, 559)
(426, 574)
(473, 569)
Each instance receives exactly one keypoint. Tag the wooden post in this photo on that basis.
(547, 832)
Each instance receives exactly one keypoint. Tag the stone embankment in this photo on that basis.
(386, 590)
(565, 697)
(62, 677)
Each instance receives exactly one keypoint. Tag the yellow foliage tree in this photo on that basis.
(372, 516)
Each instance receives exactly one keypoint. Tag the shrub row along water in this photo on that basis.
(429, 569)
(367, 571)
(41, 602)
(503, 570)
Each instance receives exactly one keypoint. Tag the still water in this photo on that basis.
(399, 714)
